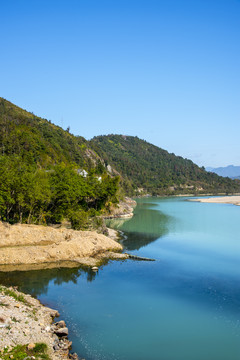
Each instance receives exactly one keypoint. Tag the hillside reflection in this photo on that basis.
(146, 226)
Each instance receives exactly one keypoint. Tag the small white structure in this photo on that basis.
(109, 169)
(82, 172)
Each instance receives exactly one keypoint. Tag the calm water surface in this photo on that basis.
(183, 306)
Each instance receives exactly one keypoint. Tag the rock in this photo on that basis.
(47, 328)
(17, 306)
(54, 314)
(94, 268)
(31, 346)
(62, 331)
(55, 338)
(66, 345)
(61, 324)
(74, 356)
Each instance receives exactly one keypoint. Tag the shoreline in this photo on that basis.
(29, 247)
(32, 247)
(25, 321)
(232, 199)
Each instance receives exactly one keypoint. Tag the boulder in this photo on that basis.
(62, 331)
(60, 324)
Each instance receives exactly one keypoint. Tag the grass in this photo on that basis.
(14, 319)
(13, 294)
(20, 352)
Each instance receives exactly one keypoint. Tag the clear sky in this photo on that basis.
(167, 71)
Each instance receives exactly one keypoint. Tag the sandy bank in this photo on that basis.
(235, 200)
(25, 247)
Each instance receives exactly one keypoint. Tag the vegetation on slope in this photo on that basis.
(38, 141)
(21, 352)
(48, 175)
(145, 166)
(41, 173)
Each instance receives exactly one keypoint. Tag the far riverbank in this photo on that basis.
(234, 200)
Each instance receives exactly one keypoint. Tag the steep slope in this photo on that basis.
(41, 173)
(39, 141)
(146, 167)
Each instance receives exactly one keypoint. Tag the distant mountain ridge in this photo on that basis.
(231, 171)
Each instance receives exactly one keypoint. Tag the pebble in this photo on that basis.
(31, 346)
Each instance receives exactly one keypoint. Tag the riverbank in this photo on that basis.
(124, 209)
(29, 247)
(234, 200)
(27, 326)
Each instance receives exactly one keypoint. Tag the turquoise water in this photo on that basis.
(183, 306)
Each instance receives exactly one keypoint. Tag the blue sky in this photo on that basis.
(166, 71)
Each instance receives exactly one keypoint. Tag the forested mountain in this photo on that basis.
(48, 175)
(39, 141)
(148, 168)
(41, 173)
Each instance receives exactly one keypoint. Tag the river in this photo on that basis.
(183, 306)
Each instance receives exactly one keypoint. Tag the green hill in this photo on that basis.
(39, 141)
(42, 178)
(150, 169)
(41, 173)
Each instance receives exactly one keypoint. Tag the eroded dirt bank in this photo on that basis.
(25, 247)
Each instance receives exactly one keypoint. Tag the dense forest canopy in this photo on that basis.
(47, 174)
(39, 141)
(148, 167)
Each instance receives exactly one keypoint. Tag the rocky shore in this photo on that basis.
(25, 321)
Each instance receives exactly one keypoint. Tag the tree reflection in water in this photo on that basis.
(28, 281)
